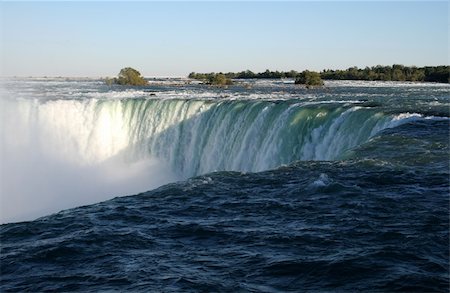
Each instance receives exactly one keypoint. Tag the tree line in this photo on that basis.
(247, 74)
(395, 72)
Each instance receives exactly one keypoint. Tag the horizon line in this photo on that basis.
(206, 72)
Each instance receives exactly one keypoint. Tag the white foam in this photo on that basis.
(113, 94)
(407, 115)
(322, 181)
(64, 153)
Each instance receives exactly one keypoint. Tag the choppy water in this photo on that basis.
(343, 188)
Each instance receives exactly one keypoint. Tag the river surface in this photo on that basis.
(263, 186)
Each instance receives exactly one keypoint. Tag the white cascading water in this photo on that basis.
(88, 150)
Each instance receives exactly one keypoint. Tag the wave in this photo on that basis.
(312, 225)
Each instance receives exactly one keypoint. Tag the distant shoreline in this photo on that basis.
(400, 73)
(396, 72)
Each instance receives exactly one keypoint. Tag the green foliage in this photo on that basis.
(200, 76)
(395, 72)
(437, 74)
(130, 76)
(247, 74)
(212, 78)
(309, 78)
(219, 79)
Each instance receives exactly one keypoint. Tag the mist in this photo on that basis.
(51, 160)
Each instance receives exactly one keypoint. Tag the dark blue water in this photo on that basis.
(376, 220)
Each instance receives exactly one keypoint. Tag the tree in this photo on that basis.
(219, 79)
(130, 76)
(214, 78)
(309, 78)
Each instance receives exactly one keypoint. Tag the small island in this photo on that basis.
(128, 76)
(218, 79)
(309, 78)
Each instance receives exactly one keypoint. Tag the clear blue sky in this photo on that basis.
(175, 38)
